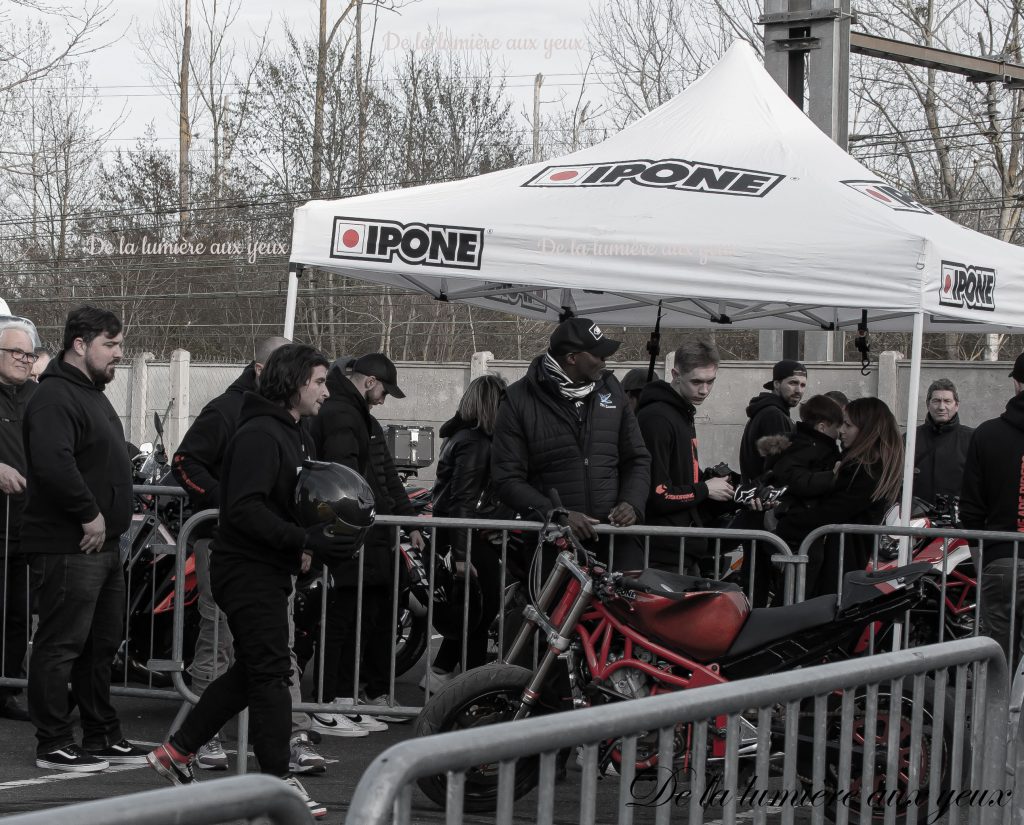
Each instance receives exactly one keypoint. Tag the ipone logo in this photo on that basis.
(418, 244)
(890, 196)
(671, 173)
(967, 287)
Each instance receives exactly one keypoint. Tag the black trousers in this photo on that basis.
(14, 592)
(255, 599)
(340, 642)
(80, 599)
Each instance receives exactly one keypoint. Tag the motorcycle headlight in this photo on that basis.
(889, 547)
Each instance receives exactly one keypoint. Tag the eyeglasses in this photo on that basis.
(21, 355)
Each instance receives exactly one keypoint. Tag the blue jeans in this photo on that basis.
(80, 599)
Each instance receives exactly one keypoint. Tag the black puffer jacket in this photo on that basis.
(803, 462)
(992, 497)
(769, 415)
(258, 522)
(462, 488)
(346, 433)
(594, 458)
(939, 455)
(77, 462)
(13, 400)
(197, 461)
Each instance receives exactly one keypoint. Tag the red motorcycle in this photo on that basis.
(607, 637)
(950, 600)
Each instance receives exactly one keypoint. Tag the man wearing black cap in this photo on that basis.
(346, 432)
(567, 426)
(769, 414)
(992, 498)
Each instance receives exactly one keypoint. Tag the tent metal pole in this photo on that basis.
(293, 293)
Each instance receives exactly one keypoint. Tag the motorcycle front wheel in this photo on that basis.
(482, 696)
(410, 640)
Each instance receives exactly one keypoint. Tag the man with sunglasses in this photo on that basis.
(16, 359)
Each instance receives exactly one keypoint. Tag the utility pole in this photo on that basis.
(807, 52)
(538, 81)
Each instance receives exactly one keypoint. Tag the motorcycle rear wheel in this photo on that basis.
(482, 696)
(861, 737)
(410, 640)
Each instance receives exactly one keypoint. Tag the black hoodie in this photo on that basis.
(14, 399)
(992, 497)
(939, 454)
(258, 522)
(593, 455)
(769, 415)
(77, 463)
(197, 461)
(805, 464)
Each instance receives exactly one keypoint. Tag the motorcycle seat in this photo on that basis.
(676, 585)
(766, 624)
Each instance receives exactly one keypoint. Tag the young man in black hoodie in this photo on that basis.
(769, 414)
(992, 498)
(677, 489)
(197, 467)
(79, 502)
(257, 548)
(17, 355)
(567, 426)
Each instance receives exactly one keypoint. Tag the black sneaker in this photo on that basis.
(121, 753)
(73, 759)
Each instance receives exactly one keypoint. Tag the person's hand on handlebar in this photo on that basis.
(719, 489)
(623, 515)
(582, 526)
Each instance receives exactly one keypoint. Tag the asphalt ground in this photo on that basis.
(24, 787)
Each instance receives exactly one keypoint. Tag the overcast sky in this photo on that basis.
(523, 38)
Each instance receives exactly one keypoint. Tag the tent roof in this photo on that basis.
(726, 202)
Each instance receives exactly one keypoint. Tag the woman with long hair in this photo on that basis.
(462, 490)
(868, 479)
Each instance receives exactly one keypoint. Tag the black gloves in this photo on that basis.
(327, 548)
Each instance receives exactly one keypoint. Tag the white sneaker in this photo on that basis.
(383, 701)
(211, 756)
(367, 723)
(316, 810)
(336, 724)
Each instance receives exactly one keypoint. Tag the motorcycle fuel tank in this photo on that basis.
(700, 624)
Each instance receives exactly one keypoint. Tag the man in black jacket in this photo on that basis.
(567, 426)
(769, 414)
(941, 446)
(665, 418)
(16, 358)
(346, 433)
(197, 467)
(79, 502)
(257, 549)
(992, 498)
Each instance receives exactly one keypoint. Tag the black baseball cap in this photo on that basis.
(1018, 368)
(581, 335)
(785, 368)
(382, 368)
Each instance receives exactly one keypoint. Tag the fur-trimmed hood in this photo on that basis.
(773, 445)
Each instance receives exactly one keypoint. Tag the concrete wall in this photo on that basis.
(181, 389)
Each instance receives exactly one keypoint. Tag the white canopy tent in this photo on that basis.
(726, 204)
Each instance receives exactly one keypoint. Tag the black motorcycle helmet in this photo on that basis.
(450, 597)
(333, 495)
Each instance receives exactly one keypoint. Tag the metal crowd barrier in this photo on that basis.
(820, 712)
(175, 666)
(160, 544)
(202, 803)
(956, 615)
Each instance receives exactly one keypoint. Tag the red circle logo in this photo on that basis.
(948, 285)
(878, 195)
(350, 238)
(567, 174)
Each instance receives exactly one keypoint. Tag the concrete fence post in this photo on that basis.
(889, 381)
(179, 394)
(479, 363)
(139, 400)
